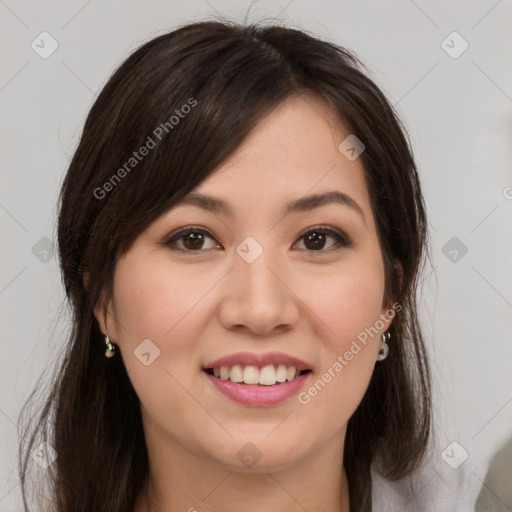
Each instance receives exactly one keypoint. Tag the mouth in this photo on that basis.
(252, 375)
(258, 380)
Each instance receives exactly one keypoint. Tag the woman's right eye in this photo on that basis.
(192, 239)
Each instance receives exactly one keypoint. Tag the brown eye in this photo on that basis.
(192, 239)
(315, 239)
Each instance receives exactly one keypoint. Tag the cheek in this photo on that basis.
(336, 392)
(349, 306)
(154, 301)
(168, 307)
(157, 325)
(349, 302)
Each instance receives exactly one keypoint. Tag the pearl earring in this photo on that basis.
(111, 349)
(384, 349)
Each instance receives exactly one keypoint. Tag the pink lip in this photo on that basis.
(258, 394)
(246, 358)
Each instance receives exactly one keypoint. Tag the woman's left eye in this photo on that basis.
(317, 236)
(192, 239)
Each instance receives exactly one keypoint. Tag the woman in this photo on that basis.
(241, 231)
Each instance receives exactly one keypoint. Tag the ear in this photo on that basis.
(388, 313)
(100, 311)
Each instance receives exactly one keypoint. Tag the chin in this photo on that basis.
(252, 454)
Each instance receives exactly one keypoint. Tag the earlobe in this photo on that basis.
(100, 310)
(101, 317)
(389, 312)
(105, 308)
(97, 310)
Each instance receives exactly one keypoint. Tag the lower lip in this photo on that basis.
(257, 394)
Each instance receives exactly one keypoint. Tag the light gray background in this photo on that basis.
(458, 112)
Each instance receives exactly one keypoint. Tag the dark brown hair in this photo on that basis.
(236, 75)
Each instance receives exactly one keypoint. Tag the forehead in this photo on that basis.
(293, 152)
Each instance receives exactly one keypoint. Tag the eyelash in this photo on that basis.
(342, 240)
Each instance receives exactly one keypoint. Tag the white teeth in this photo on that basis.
(236, 374)
(291, 371)
(266, 376)
(251, 375)
(281, 373)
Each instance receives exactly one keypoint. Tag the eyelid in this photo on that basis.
(175, 235)
(342, 239)
(335, 233)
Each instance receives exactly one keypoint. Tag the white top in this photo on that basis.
(436, 487)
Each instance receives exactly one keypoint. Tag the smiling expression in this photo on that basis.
(257, 267)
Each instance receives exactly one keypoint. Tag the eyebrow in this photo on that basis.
(304, 204)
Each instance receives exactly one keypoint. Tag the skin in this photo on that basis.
(199, 307)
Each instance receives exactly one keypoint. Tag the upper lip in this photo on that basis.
(259, 360)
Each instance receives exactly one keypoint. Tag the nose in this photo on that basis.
(258, 297)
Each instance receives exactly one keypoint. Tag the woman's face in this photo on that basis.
(259, 285)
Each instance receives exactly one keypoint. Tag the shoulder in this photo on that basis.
(435, 487)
